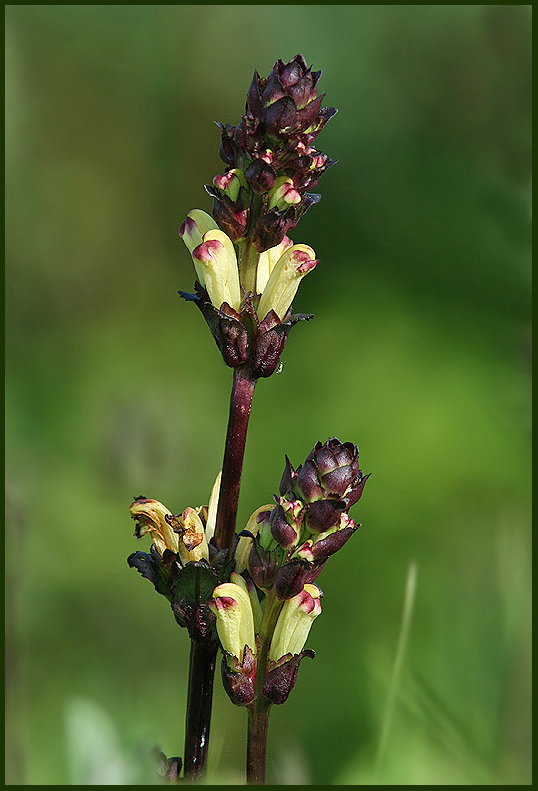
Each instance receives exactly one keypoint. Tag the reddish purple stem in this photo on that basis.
(240, 403)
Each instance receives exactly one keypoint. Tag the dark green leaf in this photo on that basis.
(195, 582)
(152, 570)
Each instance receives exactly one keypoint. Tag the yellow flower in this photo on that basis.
(186, 534)
(279, 270)
(244, 545)
(212, 508)
(192, 231)
(284, 280)
(249, 587)
(267, 262)
(150, 518)
(294, 622)
(235, 621)
(192, 544)
(216, 256)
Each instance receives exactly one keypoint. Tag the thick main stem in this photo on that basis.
(240, 403)
(199, 701)
(203, 652)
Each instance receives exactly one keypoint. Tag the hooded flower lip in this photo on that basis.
(150, 516)
(235, 621)
(283, 194)
(250, 589)
(192, 230)
(231, 183)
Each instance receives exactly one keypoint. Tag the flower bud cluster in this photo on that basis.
(271, 160)
(310, 521)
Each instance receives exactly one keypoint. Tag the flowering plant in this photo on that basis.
(253, 593)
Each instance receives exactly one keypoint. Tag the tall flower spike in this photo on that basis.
(235, 621)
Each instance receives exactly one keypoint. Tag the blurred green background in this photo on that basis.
(419, 353)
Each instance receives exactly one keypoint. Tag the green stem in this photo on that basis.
(271, 611)
(258, 721)
(258, 714)
(248, 265)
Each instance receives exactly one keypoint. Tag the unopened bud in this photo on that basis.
(284, 534)
(263, 565)
(231, 216)
(290, 578)
(324, 514)
(307, 481)
(327, 545)
(230, 183)
(283, 194)
(271, 227)
(260, 176)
